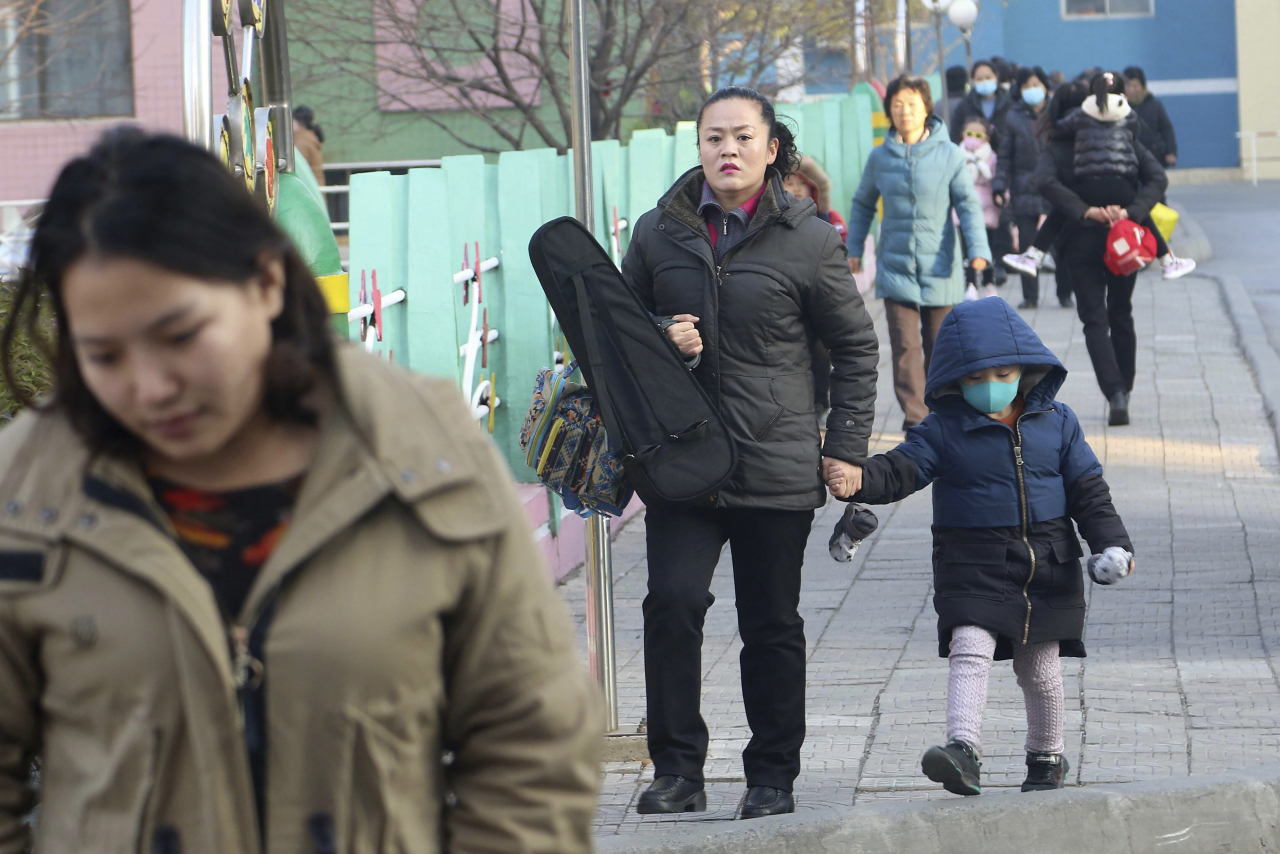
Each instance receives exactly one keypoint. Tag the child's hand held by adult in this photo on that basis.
(843, 479)
(855, 265)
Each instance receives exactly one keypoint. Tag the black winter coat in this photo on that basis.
(786, 283)
(1056, 179)
(1016, 162)
(1157, 131)
(971, 108)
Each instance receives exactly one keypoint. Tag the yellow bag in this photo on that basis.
(1165, 218)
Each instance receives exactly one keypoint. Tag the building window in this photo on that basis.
(65, 59)
(1107, 8)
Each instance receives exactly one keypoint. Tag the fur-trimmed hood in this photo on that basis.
(819, 182)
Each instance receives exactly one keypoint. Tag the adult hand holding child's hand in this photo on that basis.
(843, 479)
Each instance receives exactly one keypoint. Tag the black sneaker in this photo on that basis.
(670, 794)
(1028, 304)
(1067, 302)
(1119, 409)
(1045, 771)
(955, 766)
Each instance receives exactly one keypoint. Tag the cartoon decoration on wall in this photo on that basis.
(250, 138)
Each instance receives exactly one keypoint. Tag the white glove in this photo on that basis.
(843, 547)
(1111, 566)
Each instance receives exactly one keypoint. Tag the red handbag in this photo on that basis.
(1130, 247)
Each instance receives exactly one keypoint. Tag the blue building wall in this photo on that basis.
(1183, 40)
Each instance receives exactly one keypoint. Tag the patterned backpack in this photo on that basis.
(564, 441)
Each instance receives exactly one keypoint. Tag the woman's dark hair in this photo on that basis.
(907, 81)
(1066, 98)
(306, 117)
(988, 63)
(788, 159)
(1033, 72)
(164, 201)
(1104, 84)
(1133, 72)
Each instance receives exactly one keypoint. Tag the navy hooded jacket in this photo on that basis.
(968, 456)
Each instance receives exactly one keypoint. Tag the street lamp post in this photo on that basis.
(938, 7)
(962, 14)
(599, 568)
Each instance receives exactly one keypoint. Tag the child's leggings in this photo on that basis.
(1039, 676)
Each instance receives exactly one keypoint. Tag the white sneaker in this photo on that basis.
(1178, 268)
(1025, 263)
(1049, 265)
(989, 290)
(970, 293)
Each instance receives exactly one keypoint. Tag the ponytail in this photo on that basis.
(788, 159)
(1104, 84)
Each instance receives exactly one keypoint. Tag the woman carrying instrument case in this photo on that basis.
(674, 445)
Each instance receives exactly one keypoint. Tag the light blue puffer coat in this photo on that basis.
(918, 255)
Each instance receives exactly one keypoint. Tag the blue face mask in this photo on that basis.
(1033, 96)
(991, 397)
(985, 88)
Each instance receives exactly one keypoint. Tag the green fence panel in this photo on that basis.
(525, 325)
(650, 169)
(851, 147)
(433, 345)
(815, 132)
(624, 194)
(833, 148)
(867, 104)
(467, 215)
(379, 238)
(685, 148)
(606, 160)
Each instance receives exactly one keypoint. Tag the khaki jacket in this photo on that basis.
(403, 669)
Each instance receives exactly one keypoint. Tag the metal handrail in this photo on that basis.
(382, 164)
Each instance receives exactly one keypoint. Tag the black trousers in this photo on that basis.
(768, 551)
(1104, 302)
(1027, 225)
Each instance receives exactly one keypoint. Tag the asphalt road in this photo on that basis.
(1243, 224)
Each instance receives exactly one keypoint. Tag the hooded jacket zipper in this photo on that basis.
(1022, 507)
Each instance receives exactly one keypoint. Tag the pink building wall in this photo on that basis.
(32, 152)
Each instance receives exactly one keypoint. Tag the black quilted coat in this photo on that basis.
(1103, 149)
(786, 282)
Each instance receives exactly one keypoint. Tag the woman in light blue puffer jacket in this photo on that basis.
(921, 176)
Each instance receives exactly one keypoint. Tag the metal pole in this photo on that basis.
(197, 71)
(906, 10)
(968, 52)
(277, 86)
(942, 66)
(600, 652)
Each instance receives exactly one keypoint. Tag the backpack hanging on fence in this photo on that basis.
(564, 441)
(673, 444)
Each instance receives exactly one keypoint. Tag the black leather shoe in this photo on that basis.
(1067, 302)
(1045, 772)
(766, 800)
(1027, 304)
(670, 793)
(955, 766)
(1119, 409)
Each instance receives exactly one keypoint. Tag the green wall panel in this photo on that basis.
(433, 346)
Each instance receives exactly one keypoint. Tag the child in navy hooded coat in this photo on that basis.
(1011, 471)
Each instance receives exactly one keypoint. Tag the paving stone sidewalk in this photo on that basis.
(1181, 674)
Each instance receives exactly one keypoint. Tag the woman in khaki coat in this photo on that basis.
(258, 592)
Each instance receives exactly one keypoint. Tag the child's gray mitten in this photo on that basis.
(1110, 566)
(854, 526)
